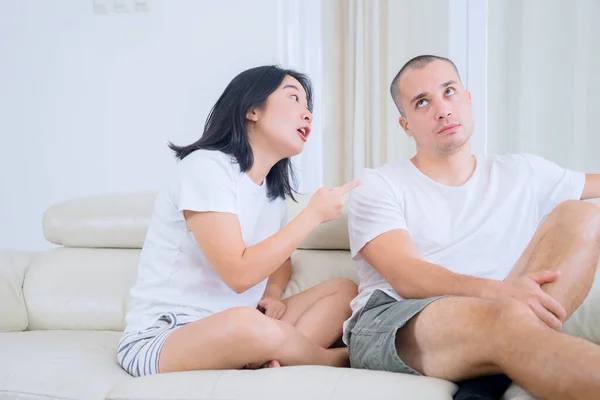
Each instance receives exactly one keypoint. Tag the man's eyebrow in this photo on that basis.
(419, 97)
(424, 94)
(446, 84)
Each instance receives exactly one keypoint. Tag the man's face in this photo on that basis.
(437, 108)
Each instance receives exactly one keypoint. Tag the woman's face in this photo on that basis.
(283, 125)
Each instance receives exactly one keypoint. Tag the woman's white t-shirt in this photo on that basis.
(173, 274)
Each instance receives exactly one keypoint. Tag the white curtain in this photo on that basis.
(365, 43)
(544, 82)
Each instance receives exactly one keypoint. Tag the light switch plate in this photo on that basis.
(121, 6)
(142, 5)
(102, 6)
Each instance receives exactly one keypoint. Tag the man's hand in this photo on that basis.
(527, 288)
(272, 307)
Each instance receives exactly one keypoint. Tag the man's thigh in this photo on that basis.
(438, 337)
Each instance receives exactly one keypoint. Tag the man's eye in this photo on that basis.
(421, 103)
(450, 91)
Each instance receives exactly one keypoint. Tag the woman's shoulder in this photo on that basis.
(210, 163)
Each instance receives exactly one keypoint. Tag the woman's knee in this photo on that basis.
(345, 287)
(257, 328)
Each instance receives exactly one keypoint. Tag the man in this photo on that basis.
(469, 266)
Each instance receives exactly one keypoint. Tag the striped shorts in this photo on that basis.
(138, 352)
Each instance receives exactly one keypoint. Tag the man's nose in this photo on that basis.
(443, 111)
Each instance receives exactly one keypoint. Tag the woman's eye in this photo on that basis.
(421, 103)
(295, 97)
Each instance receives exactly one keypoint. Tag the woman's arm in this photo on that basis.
(220, 239)
(279, 280)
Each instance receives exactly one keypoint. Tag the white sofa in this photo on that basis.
(62, 310)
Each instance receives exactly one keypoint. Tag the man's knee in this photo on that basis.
(581, 216)
(507, 313)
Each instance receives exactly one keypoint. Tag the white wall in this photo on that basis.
(88, 102)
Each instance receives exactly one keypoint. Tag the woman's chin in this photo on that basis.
(293, 150)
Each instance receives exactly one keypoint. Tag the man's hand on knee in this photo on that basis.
(527, 288)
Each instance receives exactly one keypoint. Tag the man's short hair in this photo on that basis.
(414, 63)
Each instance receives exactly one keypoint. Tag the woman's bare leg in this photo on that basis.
(237, 337)
(320, 311)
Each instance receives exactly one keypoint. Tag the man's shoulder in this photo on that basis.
(379, 184)
(509, 162)
(387, 172)
(507, 159)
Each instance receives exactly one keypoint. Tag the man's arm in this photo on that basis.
(591, 190)
(394, 256)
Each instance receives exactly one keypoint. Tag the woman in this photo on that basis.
(216, 258)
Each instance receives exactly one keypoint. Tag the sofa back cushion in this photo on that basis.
(121, 221)
(13, 313)
(75, 288)
(88, 289)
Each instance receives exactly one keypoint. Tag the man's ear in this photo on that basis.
(252, 115)
(404, 124)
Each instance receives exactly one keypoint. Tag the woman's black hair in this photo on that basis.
(225, 128)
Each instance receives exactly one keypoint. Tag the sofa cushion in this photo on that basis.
(332, 235)
(59, 365)
(115, 220)
(311, 267)
(289, 383)
(13, 313)
(121, 221)
(68, 288)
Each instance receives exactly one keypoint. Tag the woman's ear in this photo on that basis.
(252, 115)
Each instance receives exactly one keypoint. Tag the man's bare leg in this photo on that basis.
(567, 241)
(458, 338)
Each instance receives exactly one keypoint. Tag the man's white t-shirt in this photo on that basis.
(173, 273)
(478, 229)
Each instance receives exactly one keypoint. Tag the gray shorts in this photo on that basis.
(372, 332)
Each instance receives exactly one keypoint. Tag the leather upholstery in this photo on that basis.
(62, 310)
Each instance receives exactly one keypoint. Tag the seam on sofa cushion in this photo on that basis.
(22, 260)
(337, 382)
(170, 398)
(42, 396)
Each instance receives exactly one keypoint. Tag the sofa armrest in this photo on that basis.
(13, 312)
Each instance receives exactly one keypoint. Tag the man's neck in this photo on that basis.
(449, 169)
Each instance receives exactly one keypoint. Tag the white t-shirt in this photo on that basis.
(478, 229)
(173, 274)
